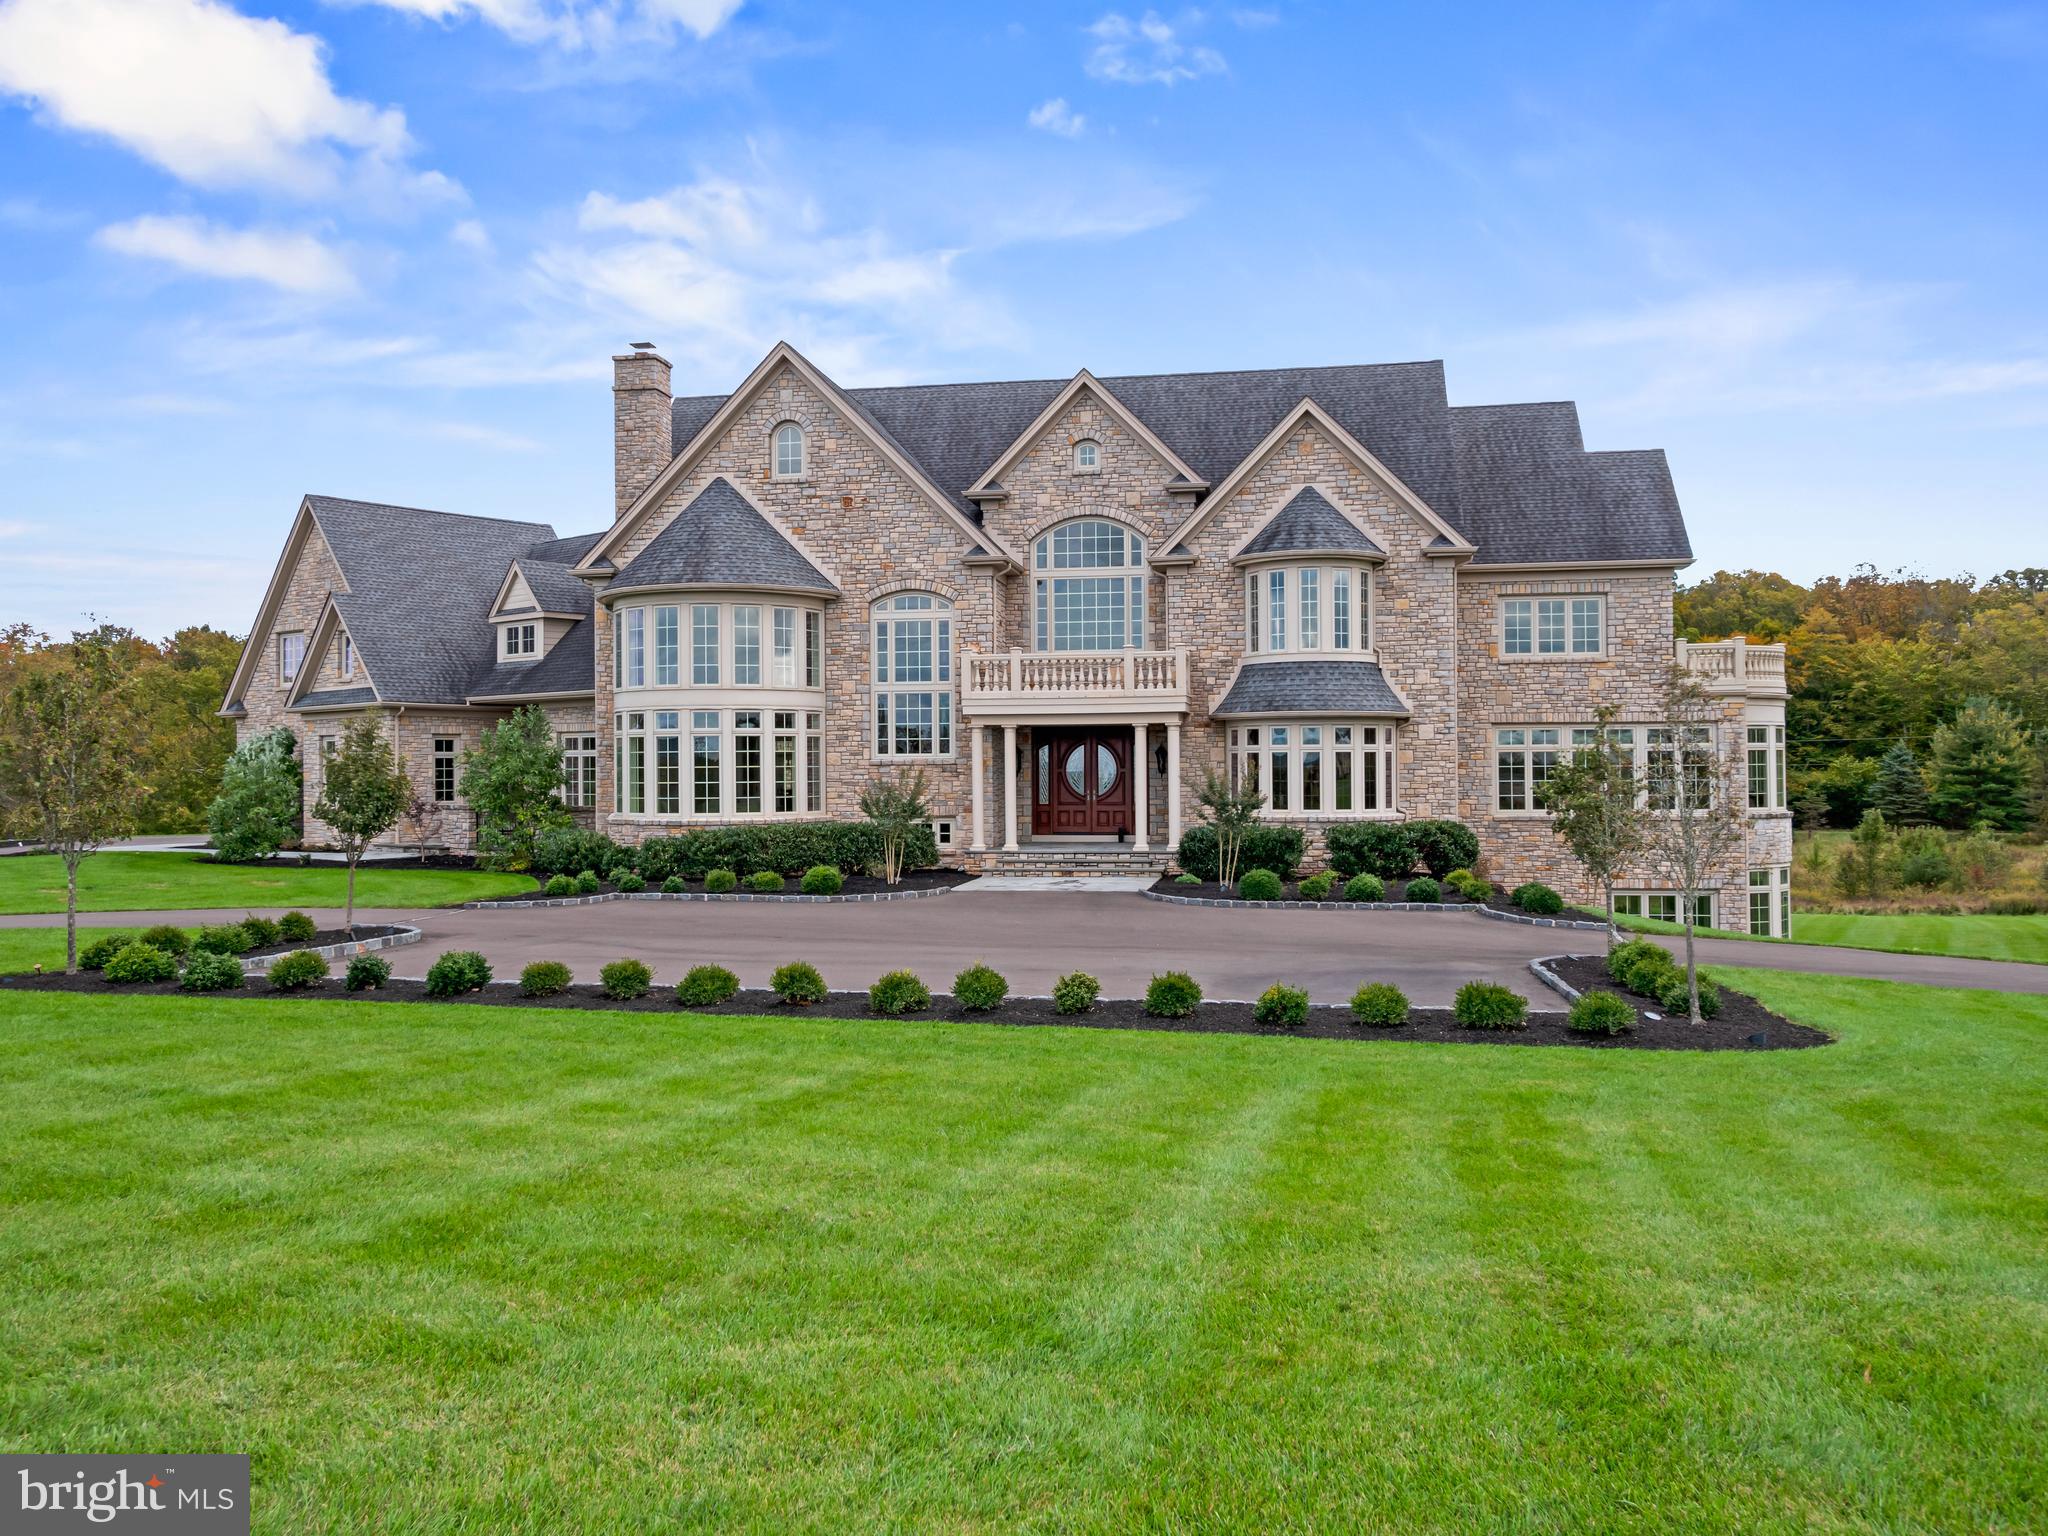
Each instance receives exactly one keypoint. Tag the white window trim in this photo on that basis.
(573, 750)
(1642, 896)
(946, 662)
(1772, 750)
(348, 658)
(286, 679)
(1088, 469)
(651, 694)
(1583, 658)
(1385, 746)
(803, 451)
(810, 725)
(1639, 747)
(453, 758)
(1138, 573)
(510, 634)
(1258, 609)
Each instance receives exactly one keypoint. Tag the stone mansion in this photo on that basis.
(1067, 600)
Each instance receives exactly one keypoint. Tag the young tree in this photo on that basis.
(1594, 810)
(1900, 790)
(67, 775)
(257, 810)
(512, 779)
(1697, 821)
(896, 807)
(364, 792)
(1233, 810)
(1981, 768)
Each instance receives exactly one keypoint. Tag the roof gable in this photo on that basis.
(1309, 523)
(721, 539)
(1084, 381)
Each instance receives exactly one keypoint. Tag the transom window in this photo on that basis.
(1553, 626)
(789, 451)
(520, 640)
(743, 645)
(702, 763)
(913, 676)
(1316, 767)
(1309, 608)
(1100, 611)
(1087, 456)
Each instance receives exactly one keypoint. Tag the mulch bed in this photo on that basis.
(325, 937)
(856, 885)
(1324, 1023)
(291, 859)
(1210, 890)
(1741, 1016)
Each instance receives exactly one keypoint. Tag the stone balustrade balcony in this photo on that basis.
(1121, 685)
(1735, 668)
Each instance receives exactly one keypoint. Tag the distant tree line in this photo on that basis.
(1924, 698)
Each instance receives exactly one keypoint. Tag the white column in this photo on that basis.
(1141, 781)
(976, 733)
(1009, 789)
(1173, 785)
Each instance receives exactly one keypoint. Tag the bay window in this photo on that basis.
(740, 762)
(913, 676)
(1316, 767)
(665, 660)
(1102, 611)
(1318, 607)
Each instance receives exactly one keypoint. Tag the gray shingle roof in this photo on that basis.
(1308, 521)
(556, 590)
(719, 539)
(330, 698)
(1515, 480)
(420, 589)
(570, 667)
(1311, 688)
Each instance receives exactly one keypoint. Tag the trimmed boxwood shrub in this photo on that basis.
(980, 988)
(1382, 848)
(624, 979)
(209, 971)
(788, 848)
(721, 881)
(560, 885)
(674, 885)
(1173, 995)
(1623, 958)
(222, 939)
(767, 881)
(138, 961)
(1599, 1012)
(823, 880)
(798, 983)
(1075, 992)
(1265, 847)
(94, 956)
(1258, 885)
(1672, 995)
(566, 850)
(1380, 1005)
(1281, 1007)
(457, 972)
(1538, 898)
(1484, 1005)
(1442, 846)
(1184, 878)
(587, 882)
(1365, 888)
(366, 973)
(898, 992)
(176, 941)
(628, 882)
(297, 971)
(262, 931)
(544, 978)
(1317, 887)
(706, 984)
(1422, 888)
(296, 928)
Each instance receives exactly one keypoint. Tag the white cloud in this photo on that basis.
(471, 235)
(214, 97)
(1055, 116)
(289, 260)
(1150, 50)
(1254, 21)
(576, 24)
(15, 528)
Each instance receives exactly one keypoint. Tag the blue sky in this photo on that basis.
(384, 249)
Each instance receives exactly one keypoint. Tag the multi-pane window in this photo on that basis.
(668, 763)
(444, 770)
(784, 627)
(704, 645)
(913, 676)
(784, 761)
(629, 763)
(814, 761)
(814, 648)
(746, 762)
(707, 790)
(630, 670)
(1308, 608)
(291, 653)
(1663, 906)
(1100, 611)
(789, 451)
(1678, 759)
(719, 763)
(1316, 767)
(1087, 455)
(667, 661)
(348, 657)
(1524, 758)
(746, 645)
(520, 640)
(1553, 626)
(1770, 902)
(579, 770)
(1766, 767)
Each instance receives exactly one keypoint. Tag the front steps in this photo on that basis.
(1075, 862)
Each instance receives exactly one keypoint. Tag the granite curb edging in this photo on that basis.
(1541, 968)
(257, 965)
(604, 896)
(1380, 906)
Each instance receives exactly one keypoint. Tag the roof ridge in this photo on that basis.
(1206, 373)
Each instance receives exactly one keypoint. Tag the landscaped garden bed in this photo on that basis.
(1739, 1018)
(920, 882)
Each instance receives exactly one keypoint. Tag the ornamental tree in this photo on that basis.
(1232, 810)
(1594, 810)
(364, 790)
(896, 806)
(512, 779)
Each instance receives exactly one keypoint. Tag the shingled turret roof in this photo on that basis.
(721, 540)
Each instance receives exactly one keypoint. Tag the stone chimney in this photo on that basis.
(640, 421)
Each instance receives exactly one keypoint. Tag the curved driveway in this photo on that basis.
(1034, 936)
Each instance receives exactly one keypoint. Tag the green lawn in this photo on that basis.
(23, 949)
(124, 882)
(460, 1269)
(1978, 936)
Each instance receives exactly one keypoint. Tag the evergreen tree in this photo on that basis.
(1981, 768)
(1900, 790)
(257, 810)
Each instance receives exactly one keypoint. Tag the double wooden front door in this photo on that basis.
(1081, 783)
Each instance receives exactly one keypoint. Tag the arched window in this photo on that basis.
(913, 676)
(1087, 455)
(789, 451)
(1090, 587)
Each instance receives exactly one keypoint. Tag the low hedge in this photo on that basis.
(704, 985)
(262, 931)
(176, 941)
(222, 939)
(1382, 848)
(569, 850)
(1279, 849)
(1173, 995)
(138, 962)
(587, 883)
(1599, 1012)
(980, 988)
(210, 971)
(1281, 1007)
(1442, 846)
(1258, 885)
(94, 956)
(559, 886)
(457, 972)
(798, 983)
(1317, 887)
(785, 848)
(1539, 899)
(897, 992)
(623, 980)
(1075, 992)
(720, 882)
(544, 978)
(1380, 1005)
(1485, 1005)
(767, 881)
(297, 971)
(1422, 888)
(296, 928)
(823, 880)
(1365, 888)
(366, 973)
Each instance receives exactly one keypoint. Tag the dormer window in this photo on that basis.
(1087, 456)
(1308, 608)
(789, 451)
(520, 641)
